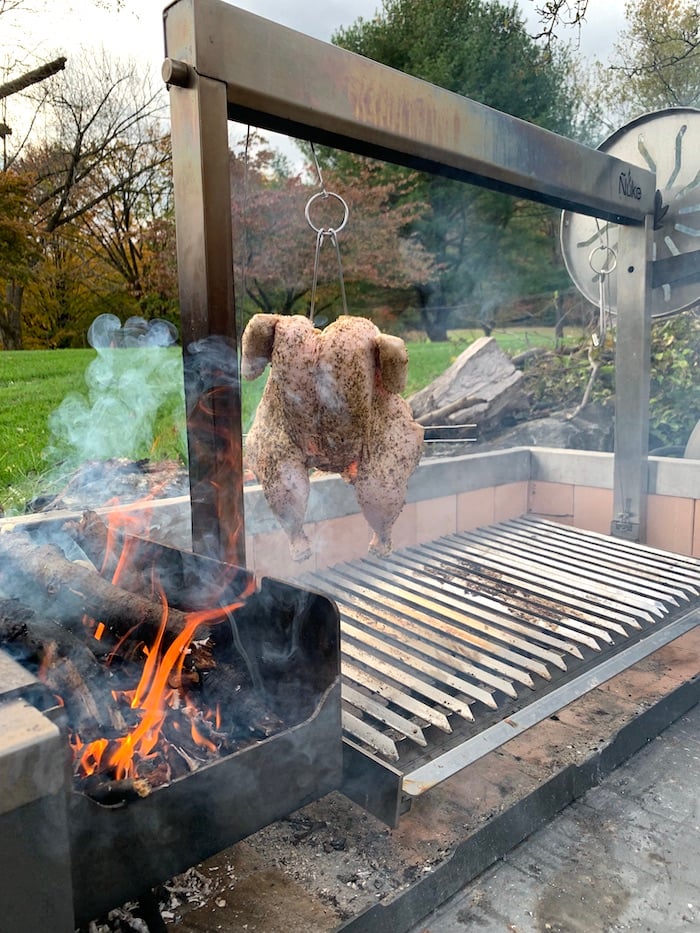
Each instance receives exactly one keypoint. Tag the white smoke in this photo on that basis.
(134, 389)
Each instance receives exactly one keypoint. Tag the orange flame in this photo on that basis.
(160, 685)
(152, 698)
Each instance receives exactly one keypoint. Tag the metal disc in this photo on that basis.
(666, 142)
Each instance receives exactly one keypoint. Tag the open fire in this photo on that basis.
(197, 705)
(146, 687)
(150, 691)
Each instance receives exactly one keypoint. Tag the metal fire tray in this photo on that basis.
(452, 648)
(119, 853)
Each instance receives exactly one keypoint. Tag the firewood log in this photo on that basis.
(111, 793)
(104, 548)
(42, 576)
(439, 416)
(66, 666)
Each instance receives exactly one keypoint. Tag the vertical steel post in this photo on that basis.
(632, 378)
(205, 270)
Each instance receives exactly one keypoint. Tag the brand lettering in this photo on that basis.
(627, 186)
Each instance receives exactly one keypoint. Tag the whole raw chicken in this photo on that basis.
(331, 402)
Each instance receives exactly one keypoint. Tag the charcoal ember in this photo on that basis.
(157, 769)
(110, 792)
(198, 660)
(245, 710)
(15, 620)
(183, 679)
(200, 656)
(209, 733)
(173, 761)
(177, 730)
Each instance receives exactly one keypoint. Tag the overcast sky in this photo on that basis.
(136, 31)
(137, 28)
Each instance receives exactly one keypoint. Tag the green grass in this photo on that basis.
(428, 360)
(33, 384)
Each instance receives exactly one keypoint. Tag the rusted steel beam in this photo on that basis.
(207, 312)
(280, 79)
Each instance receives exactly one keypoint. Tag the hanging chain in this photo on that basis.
(325, 233)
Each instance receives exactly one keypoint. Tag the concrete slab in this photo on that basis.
(624, 857)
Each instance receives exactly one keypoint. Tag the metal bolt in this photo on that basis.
(175, 72)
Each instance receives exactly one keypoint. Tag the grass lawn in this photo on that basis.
(34, 383)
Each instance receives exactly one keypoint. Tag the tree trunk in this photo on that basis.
(433, 320)
(11, 318)
(559, 325)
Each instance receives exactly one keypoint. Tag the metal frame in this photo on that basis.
(224, 63)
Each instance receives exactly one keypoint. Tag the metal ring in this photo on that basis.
(609, 251)
(326, 194)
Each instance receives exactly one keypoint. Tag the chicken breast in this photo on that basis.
(331, 402)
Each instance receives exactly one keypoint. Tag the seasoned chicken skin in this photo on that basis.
(331, 402)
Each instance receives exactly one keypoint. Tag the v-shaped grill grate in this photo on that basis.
(443, 640)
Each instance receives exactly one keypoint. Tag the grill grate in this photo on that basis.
(443, 640)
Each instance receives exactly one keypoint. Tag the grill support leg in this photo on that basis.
(632, 382)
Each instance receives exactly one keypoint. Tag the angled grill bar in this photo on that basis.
(466, 621)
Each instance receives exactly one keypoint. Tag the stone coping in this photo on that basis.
(436, 477)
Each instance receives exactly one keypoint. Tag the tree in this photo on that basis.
(119, 229)
(99, 145)
(481, 50)
(18, 249)
(656, 62)
(556, 13)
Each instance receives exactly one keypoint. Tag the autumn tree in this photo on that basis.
(656, 61)
(18, 250)
(123, 228)
(480, 50)
(275, 246)
(98, 145)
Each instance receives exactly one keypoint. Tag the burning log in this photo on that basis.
(68, 591)
(148, 694)
(67, 667)
(92, 534)
(127, 565)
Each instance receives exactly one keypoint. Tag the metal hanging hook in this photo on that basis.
(321, 183)
(324, 233)
(602, 260)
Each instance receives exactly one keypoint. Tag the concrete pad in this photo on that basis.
(610, 862)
